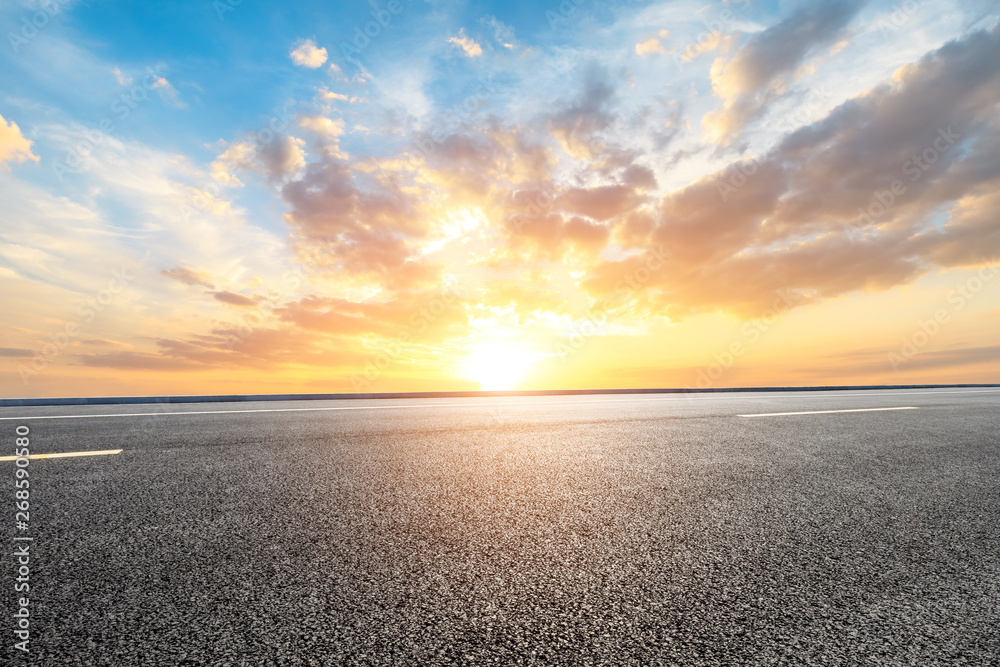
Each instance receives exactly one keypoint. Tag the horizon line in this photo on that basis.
(247, 398)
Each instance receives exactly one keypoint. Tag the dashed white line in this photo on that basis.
(64, 455)
(825, 412)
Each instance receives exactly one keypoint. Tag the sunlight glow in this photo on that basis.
(499, 366)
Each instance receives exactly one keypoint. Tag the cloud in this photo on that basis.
(264, 348)
(306, 54)
(13, 146)
(281, 157)
(524, 298)
(15, 352)
(873, 362)
(122, 79)
(601, 203)
(638, 176)
(577, 124)
(503, 33)
(189, 276)
(467, 44)
(651, 46)
(423, 316)
(277, 159)
(324, 127)
(327, 95)
(710, 42)
(560, 227)
(784, 227)
(760, 71)
(234, 299)
(357, 226)
(167, 92)
(137, 361)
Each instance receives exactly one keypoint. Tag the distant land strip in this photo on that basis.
(243, 398)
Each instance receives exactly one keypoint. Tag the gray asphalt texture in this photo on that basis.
(581, 530)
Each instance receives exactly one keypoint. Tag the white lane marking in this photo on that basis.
(824, 412)
(63, 455)
(667, 397)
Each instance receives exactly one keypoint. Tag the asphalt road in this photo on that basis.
(545, 530)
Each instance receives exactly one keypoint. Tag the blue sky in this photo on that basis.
(218, 148)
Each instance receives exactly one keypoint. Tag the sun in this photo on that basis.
(499, 366)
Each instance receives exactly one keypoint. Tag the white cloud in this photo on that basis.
(63, 247)
(307, 54)
(167, 92)
(467, 44)
(503, 33)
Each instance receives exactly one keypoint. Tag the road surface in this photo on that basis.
(607, 530)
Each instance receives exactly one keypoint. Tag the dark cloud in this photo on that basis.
(578, 123)
(261, 348)
(277, 159)
(188, 276)
(791, 220)
(234, 299)
(142, 361)
(280, 157)
(891, 363)
(638, 176)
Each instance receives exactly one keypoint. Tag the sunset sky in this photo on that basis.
(249, 197)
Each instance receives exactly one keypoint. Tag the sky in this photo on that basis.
(233, 196)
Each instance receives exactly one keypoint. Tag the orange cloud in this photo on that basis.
(13, 146)
(467, 44)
